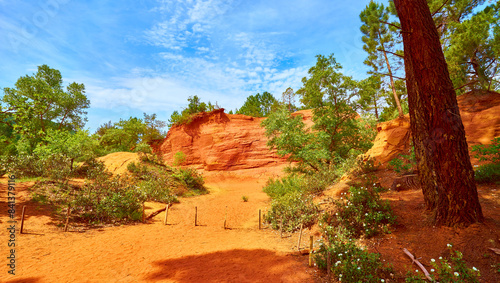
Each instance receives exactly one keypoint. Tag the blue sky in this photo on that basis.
(150, 56)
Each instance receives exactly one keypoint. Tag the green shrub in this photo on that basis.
(487, 173)
(350, 263)
(21, 165)
(192, 179)
(404, 162)
(449, 271)
(292, 209)
(276, 188)
(244, 198)
(488, 152)
(362, 212)
(179, 158)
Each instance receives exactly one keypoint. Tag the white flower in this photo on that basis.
(432, 269)
(338, 262)
(416, 270)
(449, 245)
(382, 280)
(433, 260)
(456, 273)
(340, 255)
(474, 268)
(340, 275)
(359, 268)
(440, 258)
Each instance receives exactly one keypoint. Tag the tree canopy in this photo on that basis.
(39, 103)
(259, 105)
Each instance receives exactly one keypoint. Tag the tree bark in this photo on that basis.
(441, 150)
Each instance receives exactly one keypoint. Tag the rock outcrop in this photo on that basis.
(480, 112)
(217, 141)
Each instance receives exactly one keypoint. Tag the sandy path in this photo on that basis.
(178, 252)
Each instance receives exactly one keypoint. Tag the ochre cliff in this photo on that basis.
(480, 112)
(218, 141)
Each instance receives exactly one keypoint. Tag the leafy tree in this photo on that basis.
(288, 98)
(336, 134)
(39, 103)
(472, 55)
(379, 42)
(441, 150)
(370, 94)
(259, 105)
(194, 106)
(125, 135)
(75, 146)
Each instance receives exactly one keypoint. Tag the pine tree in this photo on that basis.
(379, 42)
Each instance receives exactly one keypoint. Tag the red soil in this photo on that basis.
(153, 252)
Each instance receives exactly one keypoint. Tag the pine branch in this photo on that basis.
(398, 27)
(395, 54)
(473, 82)
(377, 73)
(439, 9)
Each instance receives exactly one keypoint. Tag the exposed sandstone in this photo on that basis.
(218, 141)
(480, 112)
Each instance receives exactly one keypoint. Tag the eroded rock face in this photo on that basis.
(480, 112)
(218, 141)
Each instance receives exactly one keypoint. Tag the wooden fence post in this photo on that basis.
(300, 236)
(195, 216)
(310, 250)
(67, 219)
(260, 221)
(166, 212)
(22, 219)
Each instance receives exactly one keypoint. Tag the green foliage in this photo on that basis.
(471, 46)
(191, 179)
(259, 105)
(291, 210)
(350, 263)
(488, 172)
(179, 158)
(186, 115)
(361, 212)
(38, 103)
(336, 133)
(452, 270)
(404, 163)
(489, 152)
(244, 198)
(126, 135)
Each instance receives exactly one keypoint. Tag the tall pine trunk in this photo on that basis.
(443, 161)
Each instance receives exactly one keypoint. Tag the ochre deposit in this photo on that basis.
(480, 112)
(217, 141)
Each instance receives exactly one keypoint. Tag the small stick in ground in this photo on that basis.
(259, 219)
(418, 263)
(225, 219)
(166, 213)
(22, 219)
(195, 216)
(281, 228)
(310, 250)
(300, 236)
(143, 213)
(67, 219)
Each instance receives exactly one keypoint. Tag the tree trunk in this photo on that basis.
(393, 86)
(443, 161)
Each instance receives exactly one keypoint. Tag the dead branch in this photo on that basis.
(153, 214)
(418, 263)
